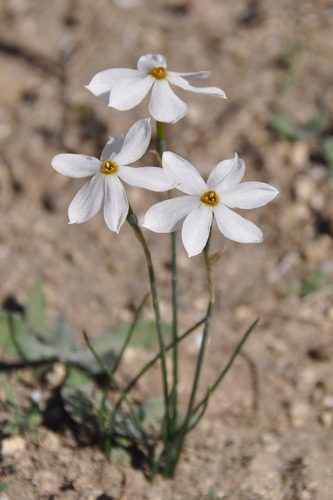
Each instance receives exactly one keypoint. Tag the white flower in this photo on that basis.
(105, 185)
(125, 88)
(195, 211)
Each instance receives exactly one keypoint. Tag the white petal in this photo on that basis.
(75, 166)
(149, 61)
(196, 228)
(164, 105)
(152, 178)
(102, 83)
(115, 203)
(185, 175)
(112, 147)
(128, 93)
(199, 75)
(235, 227)
(168, 216)
(249, 195)
(226, 174)
(135, 144)
(88, 201)
(176, 79)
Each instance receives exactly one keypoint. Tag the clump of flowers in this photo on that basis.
(194, 213)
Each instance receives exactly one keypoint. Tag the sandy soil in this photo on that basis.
(268, 431)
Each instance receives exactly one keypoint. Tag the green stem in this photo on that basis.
(161, 148)
(133, 221)
(120, 390)
(130, 332)
(174, 285)
(173, 459)
(226, 369)
(160, 142)
(158, 355)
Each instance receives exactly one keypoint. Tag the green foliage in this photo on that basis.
(3, 486)
(327, 150)
(314, 129)
(145, 336)
(36, 317)
(31, 337)
(286, 127)
(24, 419)
(310, 284)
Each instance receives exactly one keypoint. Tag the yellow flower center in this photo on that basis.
(210, 198)
(159, 72)
(108, 167)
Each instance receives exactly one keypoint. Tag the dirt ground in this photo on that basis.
(268, 433)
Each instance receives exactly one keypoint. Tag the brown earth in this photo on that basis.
(268, 431)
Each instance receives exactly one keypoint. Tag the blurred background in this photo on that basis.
(274, 61)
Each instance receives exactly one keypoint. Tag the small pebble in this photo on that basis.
(13, 445)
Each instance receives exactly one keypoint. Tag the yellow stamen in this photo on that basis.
(210, 198)
(159, 72)
(108, 167)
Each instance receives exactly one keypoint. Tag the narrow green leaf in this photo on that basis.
(36, 313)
(145, 336)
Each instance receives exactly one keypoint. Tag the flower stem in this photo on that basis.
(133, 221)
(173, 458)
(161, 148)
(211, 389)
(130, 333)
(160, 142)
(158, 355)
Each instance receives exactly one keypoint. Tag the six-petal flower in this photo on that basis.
(105, 185)
(194, 213)
(125, 88)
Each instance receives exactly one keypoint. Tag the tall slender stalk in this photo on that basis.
(225, 370)
(173, 455)
(173, 401)
(133, 221)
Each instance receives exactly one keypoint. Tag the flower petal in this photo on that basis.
(112, 147)
(199, 75)
(135, 144)
(115, 204)
(102, 83)
(164, 105)
(249, 195)
(196, 228)
(128, 93)
(88, 201)
(226, 174)
(168, 216)
(152, 178)
(149, 61)
(185, 175)
(176, 79)
(235, 227)
(75, 166)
